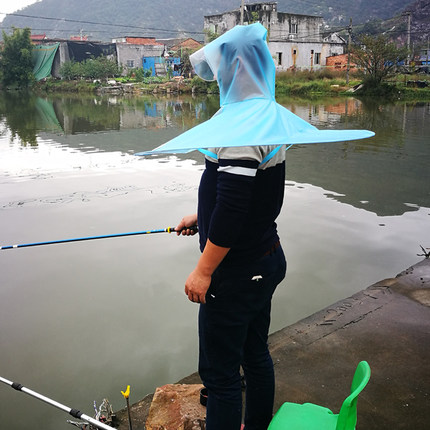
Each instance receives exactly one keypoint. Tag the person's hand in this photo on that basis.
(187, 221)
(196, 286)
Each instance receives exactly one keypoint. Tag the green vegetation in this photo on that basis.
(210, 35)
(139, 75)
(326, 82)
(132, 78)
(75, 86)
(187, 67)
(94, 68)
(311, 83)
(306, 84)
(18, 108)
(410, 86)
(377, 59)
(201, 86)
(16, 65)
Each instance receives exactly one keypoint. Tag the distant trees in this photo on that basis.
(187, 67)
(210, 35)
(377, 58)
(16, 65)
(93, 68)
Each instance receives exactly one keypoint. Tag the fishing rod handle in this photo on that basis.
(191, 227)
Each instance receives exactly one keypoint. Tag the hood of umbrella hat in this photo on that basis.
(241, 63)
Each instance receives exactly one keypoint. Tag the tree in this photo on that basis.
(16, 59)
(210, 35)
(377, 58)
(187, 67)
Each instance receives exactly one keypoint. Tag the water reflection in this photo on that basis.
(383, 174)
(25, 115)
(387, 174)
(94, 114)
(81, 307)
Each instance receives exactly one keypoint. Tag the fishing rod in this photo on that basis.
(73, 412)
(106, 236)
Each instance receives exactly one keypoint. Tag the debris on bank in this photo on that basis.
(176, 85)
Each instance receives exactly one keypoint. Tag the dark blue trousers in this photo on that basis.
(233, 331)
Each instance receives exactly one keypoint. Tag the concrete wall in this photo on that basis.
(302, 55)
(301, 28)
(219, 24)
(131, 56)
(60, 58)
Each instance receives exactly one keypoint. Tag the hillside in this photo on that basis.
(396, 27)
(104, 19)
(420, 27)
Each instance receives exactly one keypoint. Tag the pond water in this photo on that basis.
(80, 321)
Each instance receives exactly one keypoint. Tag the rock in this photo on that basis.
(177, 407)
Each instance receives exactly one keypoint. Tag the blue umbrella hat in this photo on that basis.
(249, 115)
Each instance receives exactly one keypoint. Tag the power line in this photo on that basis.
(298, 38)
(101, 23)
(59, 30)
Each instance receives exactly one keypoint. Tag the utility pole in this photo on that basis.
(349, 51)
(241, 12)
(427, 56)
(408, 14)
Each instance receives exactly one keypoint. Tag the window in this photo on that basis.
(279, 56)
(317, 57)
(293, 28)
(130, 63)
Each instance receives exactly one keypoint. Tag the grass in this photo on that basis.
(327, 82)
(313, 83)
(80, 86)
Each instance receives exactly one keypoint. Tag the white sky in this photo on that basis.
(9, 6)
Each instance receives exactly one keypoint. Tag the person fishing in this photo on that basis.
(240, 196)
(242, 261)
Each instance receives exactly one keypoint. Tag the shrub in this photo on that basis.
(202, 86)
(93, 68)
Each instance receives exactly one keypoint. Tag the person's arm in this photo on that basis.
(199, 280)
